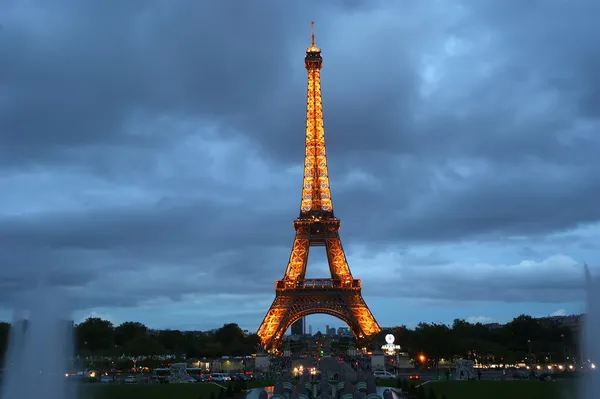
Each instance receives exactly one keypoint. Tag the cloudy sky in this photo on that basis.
(151, 154)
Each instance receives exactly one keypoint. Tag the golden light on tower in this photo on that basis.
(295, 296)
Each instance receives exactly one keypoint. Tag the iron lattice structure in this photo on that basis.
(295, 296)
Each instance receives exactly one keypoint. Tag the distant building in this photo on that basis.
(298, 327)
(572, 322)
(493, 326)
(344, 332)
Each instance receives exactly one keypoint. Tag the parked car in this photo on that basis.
(383, 375)
(130, 379)
(106, 379)
(219, 377)
(240, 377)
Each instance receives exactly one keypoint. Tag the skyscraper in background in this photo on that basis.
(298, 327)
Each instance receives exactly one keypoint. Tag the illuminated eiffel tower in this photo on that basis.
(295, 296)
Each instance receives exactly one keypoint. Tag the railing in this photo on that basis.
(318, 284)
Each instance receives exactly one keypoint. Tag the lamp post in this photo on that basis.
(530, 359)
(564, 349)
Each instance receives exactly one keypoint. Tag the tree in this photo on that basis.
(484, 343)
(523, 329)
(95, 335)
(143, 345)
(251, 342)
(4, 334)
(472, 340)
(171, 340)
(228, 333)
(406, 339)
(129, 331)
(233, 340)
(213, 349)
(435, 340)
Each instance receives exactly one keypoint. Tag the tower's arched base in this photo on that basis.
(288, 307)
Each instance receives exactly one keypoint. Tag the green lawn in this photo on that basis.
(501, 389)
(149, 391)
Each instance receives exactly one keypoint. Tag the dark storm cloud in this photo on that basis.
(146, 229)
(87, 71)
(526, 141)
(207, 241)
(556, 279)
(120, 90)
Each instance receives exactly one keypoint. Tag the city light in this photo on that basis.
(422, 358)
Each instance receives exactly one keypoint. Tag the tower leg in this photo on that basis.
(296, 269)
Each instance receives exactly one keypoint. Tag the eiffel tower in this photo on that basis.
(295, 296)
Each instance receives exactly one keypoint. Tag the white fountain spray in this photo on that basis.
(590, 387)
(39, 349)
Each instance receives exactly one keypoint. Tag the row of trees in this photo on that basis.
(98, 337)
(522, 338)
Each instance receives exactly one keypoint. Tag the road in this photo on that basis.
(327, 365)
(330, 365)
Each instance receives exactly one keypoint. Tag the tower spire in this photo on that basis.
(312, 49)
(316, 195)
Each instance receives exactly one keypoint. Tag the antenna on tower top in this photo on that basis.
(312, 33)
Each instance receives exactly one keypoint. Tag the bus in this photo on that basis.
(161, 375)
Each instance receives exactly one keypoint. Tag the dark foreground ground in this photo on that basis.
(450, 389)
